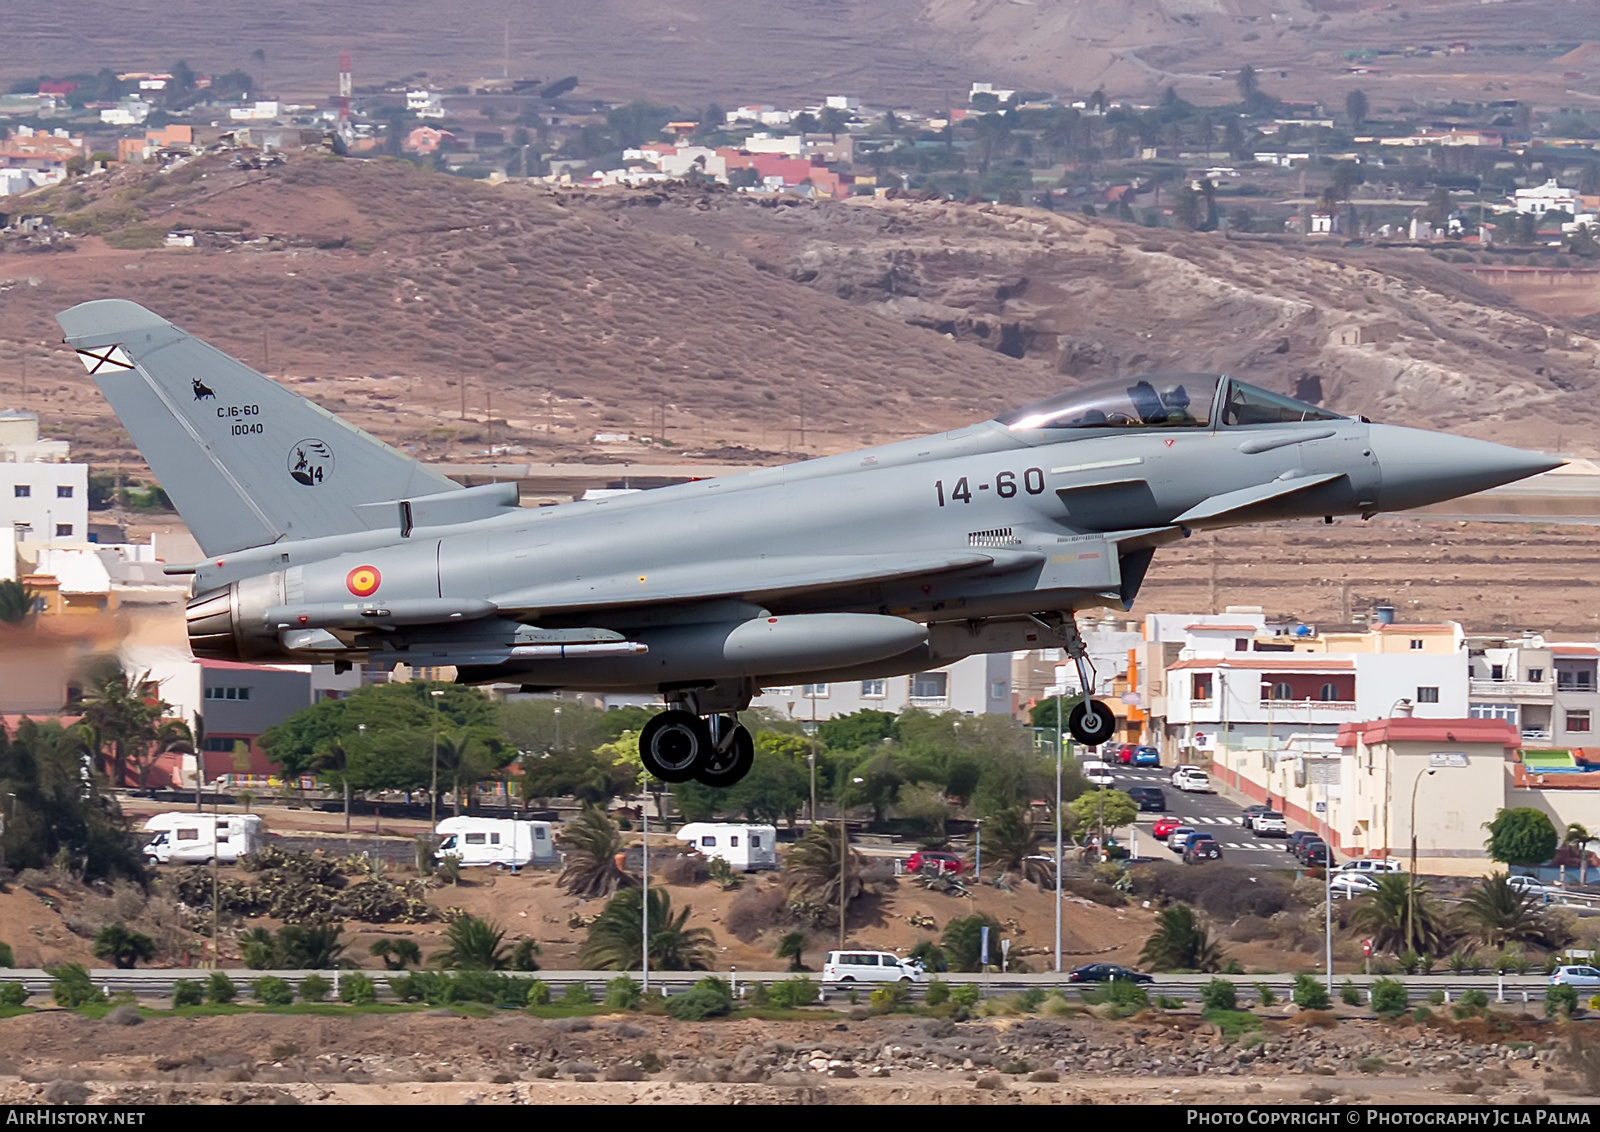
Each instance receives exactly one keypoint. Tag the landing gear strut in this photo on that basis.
(678, 745)
(1090, 722)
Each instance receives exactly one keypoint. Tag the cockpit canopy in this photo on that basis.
(1165, 400)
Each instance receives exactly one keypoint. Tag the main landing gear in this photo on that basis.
(678, 745)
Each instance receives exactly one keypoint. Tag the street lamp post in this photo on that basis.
(1411, 888)
(433, 784)
(1401, 708)
(1058, 828)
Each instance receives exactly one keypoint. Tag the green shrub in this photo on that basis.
(1309, 993)
(1372, 1065)
(315, 988)
(269, 990)
(1128, 996)
(13, 994)
(756, 994)
(577, 994)
(1561, 1001)
(1028, 1001)
(1436, 997)
(538, 992)
(1167, 1002)
(1233, 1023)
(622, 993)
(220, 989)
(889, 998)
(1219, 994)
(72, 986)
(405, 988)
(358, 989)
(1267, 997)
(1389, 998)
(1350, 994)
(1475, 998)
(187, 992)
(938, 992)
(967, 994)
(1421, 1014)
(709, 998)
(7, 959)
(790, 993)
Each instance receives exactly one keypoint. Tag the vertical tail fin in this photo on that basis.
(245, 461)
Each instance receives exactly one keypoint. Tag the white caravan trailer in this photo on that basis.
(745, 847)
(189, 838)
(501, 842)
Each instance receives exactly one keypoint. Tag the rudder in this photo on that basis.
(245, 461)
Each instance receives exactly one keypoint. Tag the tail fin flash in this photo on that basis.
(246, 461)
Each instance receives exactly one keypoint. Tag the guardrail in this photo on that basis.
(158, 982)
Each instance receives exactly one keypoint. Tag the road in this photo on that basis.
(1209, 813)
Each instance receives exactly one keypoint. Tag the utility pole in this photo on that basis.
(844, 857)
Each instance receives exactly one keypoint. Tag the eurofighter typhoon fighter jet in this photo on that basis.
(324, 545)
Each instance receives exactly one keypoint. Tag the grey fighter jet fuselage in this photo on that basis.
(324, 545)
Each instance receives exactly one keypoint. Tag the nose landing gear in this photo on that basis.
(677, 745)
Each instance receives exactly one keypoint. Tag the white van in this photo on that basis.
(190, 838)
(746, 848)
(502, 842)
(869, 967)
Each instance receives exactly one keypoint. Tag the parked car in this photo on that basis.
(1164, 828)
(935, 862)
(1150, 798)
(1270, 825)
(1575, 977)
(1146, 756)
(1529, 886)
(1372, 865)
(1297, 837)
(1351, 884)
(1315, 854)
(1205, 850)
(1097, 772)
(869, 967)
(1197, 836)
(1124, 753)
(1104, 972)
(1179, 837)
(1192, 780)
(1251, 811)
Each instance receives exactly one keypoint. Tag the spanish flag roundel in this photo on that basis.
(363, 581)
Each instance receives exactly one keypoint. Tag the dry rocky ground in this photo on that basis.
(58, 1056)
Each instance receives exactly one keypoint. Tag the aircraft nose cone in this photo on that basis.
(1419, 467)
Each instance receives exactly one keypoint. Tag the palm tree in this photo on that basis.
(1385, 915)
(471, 944)
(615, 937)
(16, 602)
(126, 949)
(1578, 838)
(397, 954)
(314, 948)
(1180, 943)
(122, 708)
(1500, 914)
(593, 845)
(792, 946)
(812, 868)
(1015, 844)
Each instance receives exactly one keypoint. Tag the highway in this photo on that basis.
(156, 983)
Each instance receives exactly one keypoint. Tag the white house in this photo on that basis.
(424, 104)
(42, 497)
(976, 685)
(1548, 197)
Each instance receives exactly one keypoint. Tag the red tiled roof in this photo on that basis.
(1407, 729)
(1266, 665)
(1574, 650)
